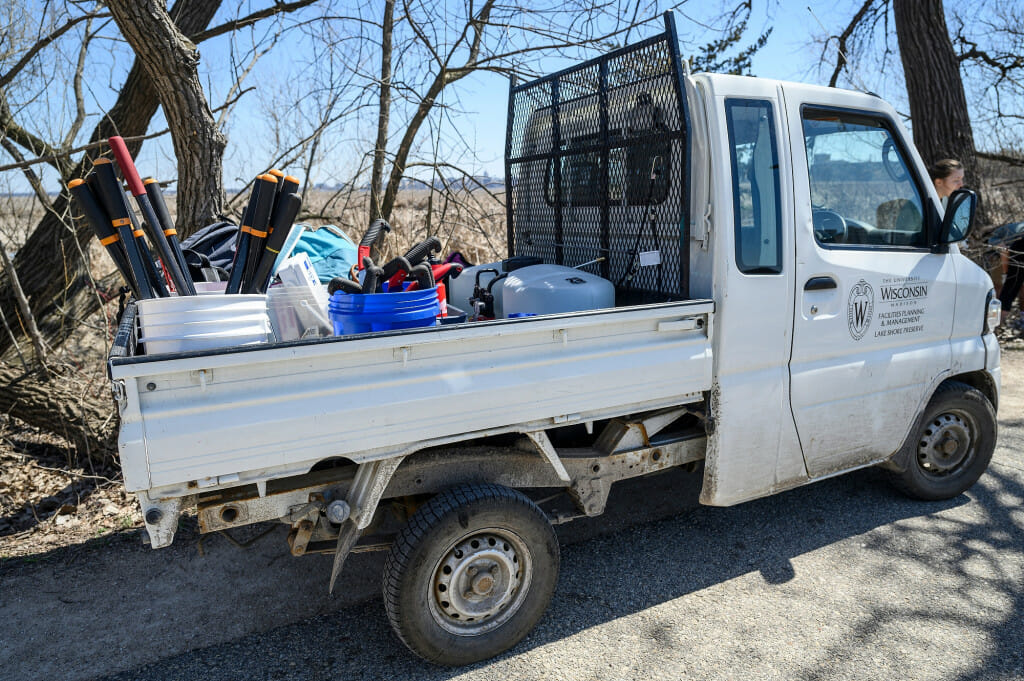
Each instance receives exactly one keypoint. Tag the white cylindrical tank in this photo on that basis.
(460, 289)
(551, 289)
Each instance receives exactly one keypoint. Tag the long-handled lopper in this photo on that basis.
(156, 198)
(104, 183)
(280, 224)
(104, 231)
(254, 222)
(182, 283)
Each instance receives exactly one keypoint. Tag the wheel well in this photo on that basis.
(981, 380)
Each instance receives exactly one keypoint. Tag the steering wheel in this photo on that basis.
(829, 226)
(892, 162)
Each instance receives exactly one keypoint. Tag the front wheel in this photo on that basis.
(470, 574)
(953, 444)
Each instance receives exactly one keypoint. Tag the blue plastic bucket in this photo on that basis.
(363, 313)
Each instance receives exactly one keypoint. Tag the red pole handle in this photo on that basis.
(124, 161)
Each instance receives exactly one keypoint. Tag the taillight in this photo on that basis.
(993, 311)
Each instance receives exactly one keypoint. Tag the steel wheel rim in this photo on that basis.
(480, 582)
(947, 444)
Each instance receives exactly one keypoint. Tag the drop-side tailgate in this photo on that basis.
(193, 420)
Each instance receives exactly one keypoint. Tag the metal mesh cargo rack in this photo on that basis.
(597, 166)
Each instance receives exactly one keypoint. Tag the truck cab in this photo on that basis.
(844, 306)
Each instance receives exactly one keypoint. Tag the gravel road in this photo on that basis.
(843, 579)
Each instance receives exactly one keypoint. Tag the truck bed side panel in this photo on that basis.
(285, 408)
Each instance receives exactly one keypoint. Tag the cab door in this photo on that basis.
(874, 306)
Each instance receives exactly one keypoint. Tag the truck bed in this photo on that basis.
(221, 418)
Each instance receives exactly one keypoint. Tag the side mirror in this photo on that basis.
(958, 220)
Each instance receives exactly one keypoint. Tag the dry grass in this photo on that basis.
(472, 223)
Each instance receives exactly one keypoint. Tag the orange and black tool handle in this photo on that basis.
(259, 228)
(157, 234)
(103, 230)
(378, 228)
(287, 185)
(280, 225)
(242, 243)
(156, 197)
(92, 180)
(260, 200)
(234, 284)
(111, 198)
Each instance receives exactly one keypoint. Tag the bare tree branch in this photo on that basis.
(76, 125)
(6, 78)
(231, 26)
(27, 318)
(1002, 158)
(844, 37)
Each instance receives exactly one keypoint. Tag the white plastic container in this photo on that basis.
(297, 312)
(156, 329)
(205, 341)
(181, 324)
(552, 289)
(198, 308)
(460, 289)
(209, 288)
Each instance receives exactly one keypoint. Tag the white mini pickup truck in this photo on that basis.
(789, 304)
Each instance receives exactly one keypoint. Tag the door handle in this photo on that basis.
(819, 283)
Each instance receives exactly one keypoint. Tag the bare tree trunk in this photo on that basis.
(50, 265)
(80, 413)
(170, 60)
(938, 106)
(383, 115)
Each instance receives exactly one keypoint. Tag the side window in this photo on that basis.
(862, 190)
(755, 185)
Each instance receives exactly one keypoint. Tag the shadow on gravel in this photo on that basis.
(617, 565)
(985, 600)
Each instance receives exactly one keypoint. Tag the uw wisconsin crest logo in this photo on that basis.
(859, 309)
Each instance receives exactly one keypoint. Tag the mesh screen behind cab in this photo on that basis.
(581, 150)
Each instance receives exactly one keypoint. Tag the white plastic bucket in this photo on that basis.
(208, 288)
(227, 325)
(198, 308)
(202, 341)
(185, 323)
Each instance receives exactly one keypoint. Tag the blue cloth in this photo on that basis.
(330, 250)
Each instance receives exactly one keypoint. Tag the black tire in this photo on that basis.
(952, 445)
(499, 552)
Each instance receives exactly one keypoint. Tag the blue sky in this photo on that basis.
(788, 55)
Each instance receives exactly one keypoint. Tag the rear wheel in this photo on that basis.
(953, 445)
(470, 574)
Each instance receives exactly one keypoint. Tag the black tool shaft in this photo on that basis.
(281, 221)
(256, 214)
(234, 284)
(259, 228)
(155, 279)
(150, 219)
(163, 216)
